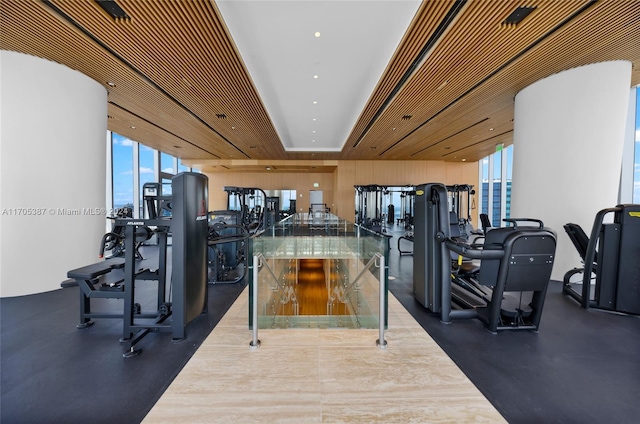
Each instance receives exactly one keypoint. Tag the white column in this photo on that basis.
(52, 174)
(568, 140)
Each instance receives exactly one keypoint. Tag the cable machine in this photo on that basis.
(187, 294)
(249, 211)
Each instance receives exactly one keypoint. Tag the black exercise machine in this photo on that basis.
(187, 296)
(407, 195)
(461, 202)
(408, 237)
(114, 240)
(249, 211)
(611, 257)
(251, 202)
(513, 259)
(227, 251)
(369, 207)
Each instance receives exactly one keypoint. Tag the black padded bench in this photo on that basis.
(90, 274)
(92, 286)
(87, 278)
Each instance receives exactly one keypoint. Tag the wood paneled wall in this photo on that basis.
(338, 187)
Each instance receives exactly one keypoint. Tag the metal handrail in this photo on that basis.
(371, 263)
(378, 261)
(285, 295)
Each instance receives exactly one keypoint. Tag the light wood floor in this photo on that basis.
(312, 288)
(321, 376)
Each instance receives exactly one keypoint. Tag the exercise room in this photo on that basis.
(221, 211)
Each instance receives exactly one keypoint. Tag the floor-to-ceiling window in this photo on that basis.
(133, 164)
(636, 166)
(495, 188)
(122, 171)
(148, 171)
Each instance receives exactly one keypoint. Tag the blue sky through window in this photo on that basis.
(636, 166)
(122, 166)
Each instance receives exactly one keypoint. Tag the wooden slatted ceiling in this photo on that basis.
(605, 31)
(133, 97)
(184, 48)
(176, 67)
(427, 19)
(474, 47)
(594, 40)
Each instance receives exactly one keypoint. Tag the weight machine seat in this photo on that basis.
(525, 266)
(579, 239)
(527, 261)
(93, 271)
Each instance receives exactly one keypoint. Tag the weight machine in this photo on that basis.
(461, 202)
(114, 240)
(187, 296)
(249, 211)
(227, 251)
(370, 207)
(251, 202)
(611, 261)
(513, 259)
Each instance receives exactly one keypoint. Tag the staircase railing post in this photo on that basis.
(381, 342)
(255, 343)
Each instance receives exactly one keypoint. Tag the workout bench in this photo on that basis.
(92, 285)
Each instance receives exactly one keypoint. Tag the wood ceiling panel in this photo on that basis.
(475, 46)
(177, 72)
(132, 93)
(427, 19)
(592, 43)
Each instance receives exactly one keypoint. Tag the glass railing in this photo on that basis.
(345, 291)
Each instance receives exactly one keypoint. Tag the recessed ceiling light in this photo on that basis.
(464, 160)
(314, 119)
(315, 77)
(111, 84)
(133, 127)
(233, 128)
(313, 141)
(317, 34)
(490, 129)
(315, 102)
(314, 131)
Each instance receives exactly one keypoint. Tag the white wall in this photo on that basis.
(52, 152)
(569, 133)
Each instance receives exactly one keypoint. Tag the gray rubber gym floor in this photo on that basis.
(582, 367)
